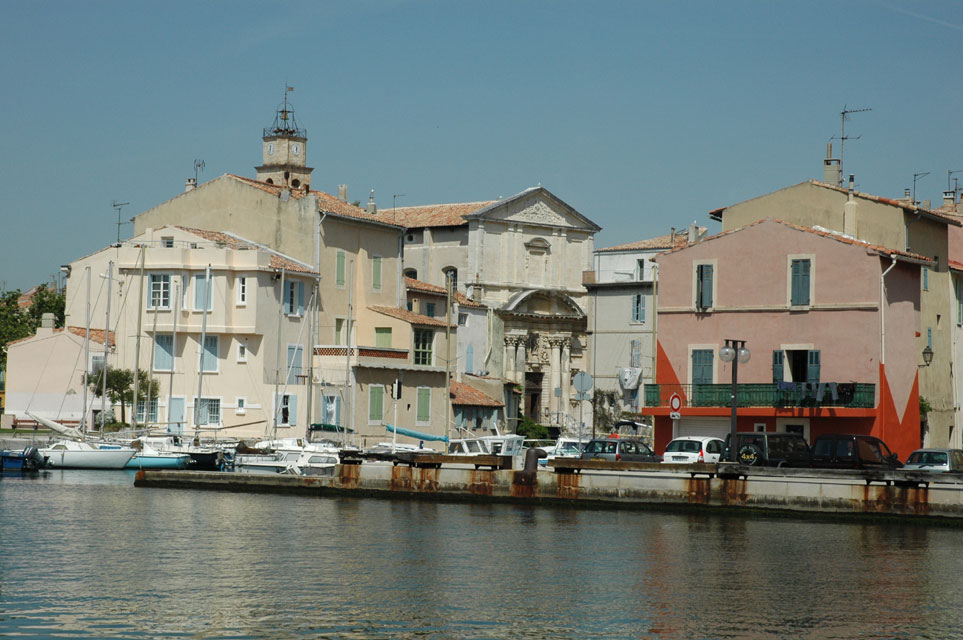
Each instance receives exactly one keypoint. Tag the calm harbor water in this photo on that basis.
(86, 555)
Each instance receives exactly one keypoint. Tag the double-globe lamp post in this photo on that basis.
(734, 351)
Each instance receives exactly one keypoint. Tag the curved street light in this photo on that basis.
(734, 351)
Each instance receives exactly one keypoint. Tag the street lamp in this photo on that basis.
(927, 355)
(734, 351)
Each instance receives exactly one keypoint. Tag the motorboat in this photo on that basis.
(275, 456)
(29, 459)
(313, 463)
(79, 454)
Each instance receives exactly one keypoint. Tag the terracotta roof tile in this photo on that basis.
(410, 316)
(231, 241)
(435, 215)
(417, 285)
(26, 298)
(668, 241)
(464, 395)
(96, 335)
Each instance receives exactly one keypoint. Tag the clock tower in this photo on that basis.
(283, 159)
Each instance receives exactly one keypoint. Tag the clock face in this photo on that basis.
(270, 148)
(296, 149)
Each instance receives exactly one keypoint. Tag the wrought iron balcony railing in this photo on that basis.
(856, 395)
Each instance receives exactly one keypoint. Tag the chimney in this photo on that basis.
(907, 196)
(190, 185)
(343, 192)
(949, 200)
(693, 233)
(832, 172)
(372, 208)
(928, 205)
(46, 327)
(849, 209)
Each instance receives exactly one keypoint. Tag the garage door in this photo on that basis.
(717, 427)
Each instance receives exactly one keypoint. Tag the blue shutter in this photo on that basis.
(777, 365)
(210, 354)
(198, 292)
(292, 409)
(164, 352)
(800, 282)
(469, 359)
(300, 298)
(812, 370)
(702, 366)
(704, 293)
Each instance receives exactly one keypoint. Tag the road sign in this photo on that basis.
(583, 381)
(675, 403)
(675, 415)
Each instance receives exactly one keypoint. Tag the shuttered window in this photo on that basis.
(163, 352)
(704, 287)
(812, 367)
(376, 396)
(702, 366)
(424, 405)
(339, 277)
(799, 278)
(778, 358)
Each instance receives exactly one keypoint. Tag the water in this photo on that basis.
(86, 555)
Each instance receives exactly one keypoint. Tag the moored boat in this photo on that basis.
(73, 454)
(29, 459)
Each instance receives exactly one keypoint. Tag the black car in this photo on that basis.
(616, 449)
(763, 449)
(848, 451)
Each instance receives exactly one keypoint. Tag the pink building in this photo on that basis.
(832, 325)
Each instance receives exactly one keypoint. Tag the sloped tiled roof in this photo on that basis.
(231, 241)
(668, 241)
(417, 285)
(435, 215)
(716, 214)
(825, 233)
(96, 335)
(410, 316)
(26, 298)
(464, 395)
(326, 202)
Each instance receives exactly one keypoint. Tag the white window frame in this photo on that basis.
(634, 318)
(198, 278)
(241, 351)
(167, 242)
(242, 291)
(240, 406)
(278, 408)
(194, 412)
(339, 338)
(150, 291)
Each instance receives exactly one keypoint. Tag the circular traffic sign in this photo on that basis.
(583, 381)
(675, 402)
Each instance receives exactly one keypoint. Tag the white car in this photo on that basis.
(691, 449)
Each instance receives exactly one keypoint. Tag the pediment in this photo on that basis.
(538, 207)
(540, 302)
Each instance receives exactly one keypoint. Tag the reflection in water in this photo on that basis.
(84, 554)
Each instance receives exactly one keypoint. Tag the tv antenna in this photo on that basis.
(956, 186)
(843, 138)
(118, 206)
(198, 167)
(917, 176)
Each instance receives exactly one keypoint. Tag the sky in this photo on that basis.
(641, 115)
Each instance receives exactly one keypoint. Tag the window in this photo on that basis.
(469, 359)
(163, 352)
(376, 273)
(208, 411)
(339, 277)
(241, 407)
(97, 361)
(202, 291)
(167, 242)
(430, 309)
(800, 282)
(295, 362)
(209, 363)
(151, 413)
(410, 306)
(703, 287)
(376, 396)
(339, 331)
(423, 340)
(287, 408)
(294, 298)
(462, 319)
(958, 286)
(424, 406)
(159, 285)
(926, 279)
(241, 352)
(702, 366)
(242, 290)
(777, 366)
(451, 272)
(410, 273)
(383, 337)
(638, 308)
(640, 269)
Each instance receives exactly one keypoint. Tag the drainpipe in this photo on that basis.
(882, 311)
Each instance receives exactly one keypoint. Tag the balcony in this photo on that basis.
(851, 395)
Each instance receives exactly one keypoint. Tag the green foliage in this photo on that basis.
(531, 430)
(120, 388)
(17, 323)
(605, 411)
(47, 300)
(925, 408)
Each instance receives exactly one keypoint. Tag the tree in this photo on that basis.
(605, 410)
(14, 323)
(120, 388)
(47, 300)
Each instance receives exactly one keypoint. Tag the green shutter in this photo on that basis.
(800, 282)
(777, 365)
(339, 277)
(424, 404)
(812, 370)
(704, 284)
(383, 337)
(376, 403)
(702, 366)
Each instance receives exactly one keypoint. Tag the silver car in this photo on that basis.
(693, 449)
(936, 460)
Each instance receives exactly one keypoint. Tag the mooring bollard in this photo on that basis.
(531, 458)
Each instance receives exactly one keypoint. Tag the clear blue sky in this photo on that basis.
(642, 115)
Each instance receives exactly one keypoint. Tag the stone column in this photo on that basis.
(555, 376)
(566, 378)
(520, 371)
(509, 363)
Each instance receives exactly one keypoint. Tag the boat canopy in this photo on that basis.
(415, 434)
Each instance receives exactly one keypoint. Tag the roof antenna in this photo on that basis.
(843, 138)
(917, 176)
(956, 186)
(119, 206)
(198, 166)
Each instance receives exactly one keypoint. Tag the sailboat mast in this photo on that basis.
(277, 354)
(140, 317)
(311, 342)
(103, 396)
(170, 383)
(83, 416)
(200, 364)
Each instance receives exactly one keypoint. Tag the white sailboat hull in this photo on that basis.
(80, 455)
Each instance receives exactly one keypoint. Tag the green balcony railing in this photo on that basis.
(855, 395)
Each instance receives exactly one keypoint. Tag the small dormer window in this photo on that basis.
(167, 242)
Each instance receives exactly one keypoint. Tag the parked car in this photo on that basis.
(627, 449)
(692, 449)
(848, 451)
(936, 460)
(769, 449)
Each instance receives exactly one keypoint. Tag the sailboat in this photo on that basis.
(73, 452)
